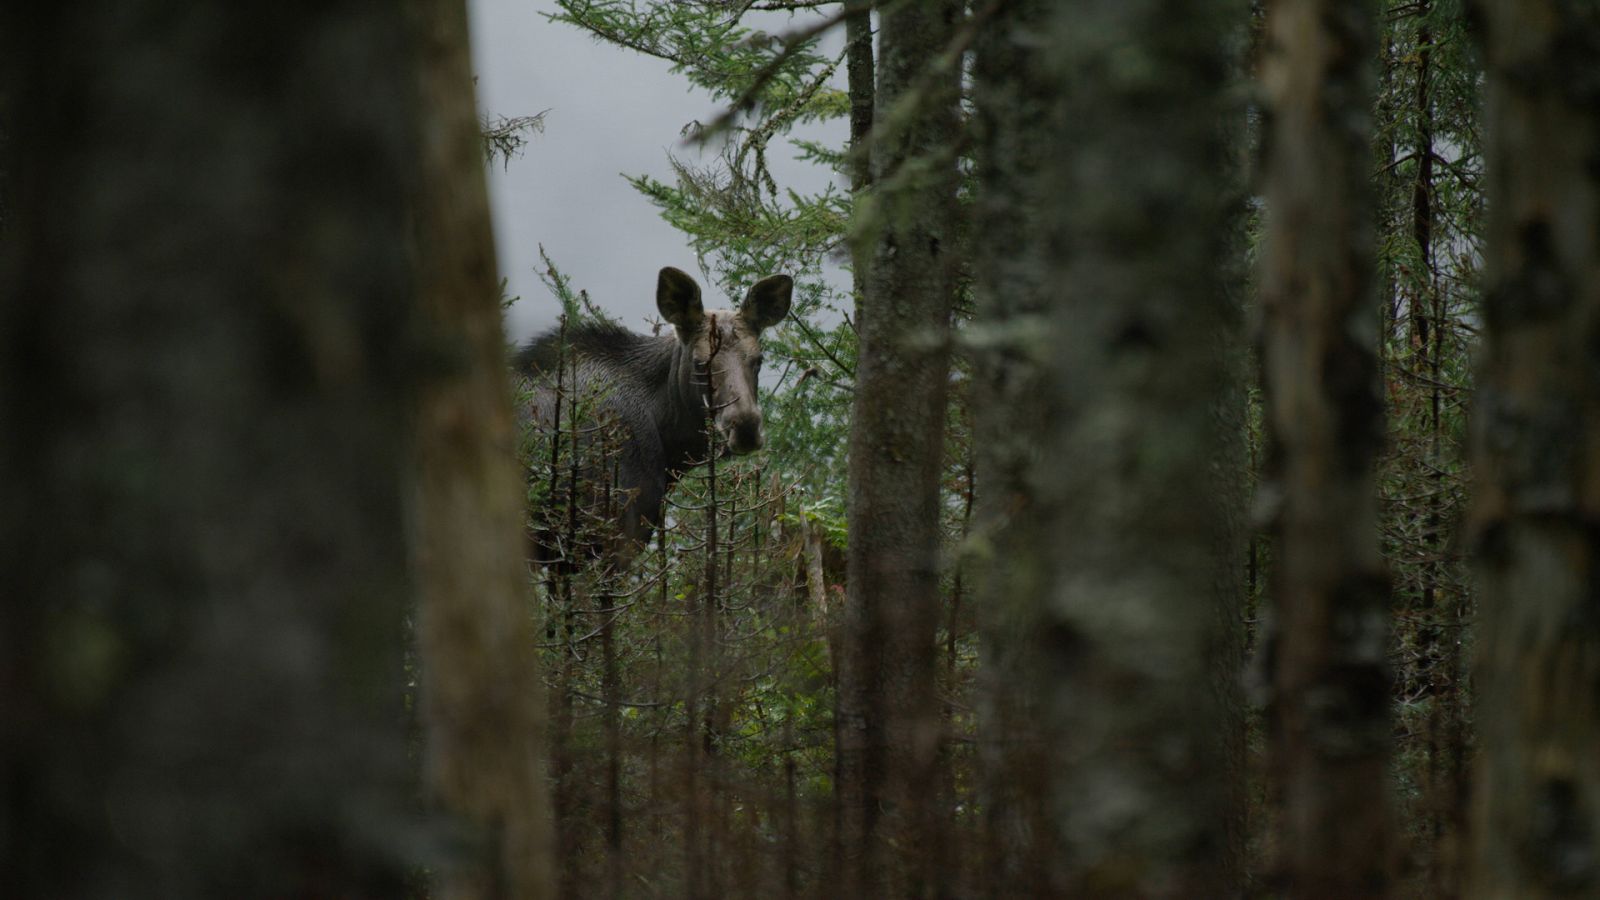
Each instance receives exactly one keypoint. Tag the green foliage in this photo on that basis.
(826, 512)
(576, 307)
(705, 41)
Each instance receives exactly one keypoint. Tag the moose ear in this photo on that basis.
(678, 299)
(768, 302)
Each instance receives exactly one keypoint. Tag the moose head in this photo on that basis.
(725, 349)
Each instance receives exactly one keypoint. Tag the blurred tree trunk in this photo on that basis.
(859, 69)
(1015, 126)
(482, 700)
(1537, 457)
(1319, 360)
(205, 376)
(1111, 450)
(889, 723)
(5, 157)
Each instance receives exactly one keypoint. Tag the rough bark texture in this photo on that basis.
(483, 704)
(859, 70)
(1537, 457)
(1329, 711)
(204, 395)
(1109, 420)
(889, 723)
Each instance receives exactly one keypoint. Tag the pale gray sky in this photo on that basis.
(612, 112)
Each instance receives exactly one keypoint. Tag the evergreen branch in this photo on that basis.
(784, 117)
(816, 342)
(792, 43)
(899, 117)
(584, 17)
(718, 55)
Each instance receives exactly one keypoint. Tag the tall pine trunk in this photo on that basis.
(1536, 448)
(206, 363)
(1330, 721)
(860, 72)
(482, 700)
(1110, 429)
(889, 724)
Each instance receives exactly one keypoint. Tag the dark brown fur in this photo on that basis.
(655, 389)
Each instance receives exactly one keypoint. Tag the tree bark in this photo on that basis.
(1014, 124)
(1536, 448)
(889, 724)
(1110, 434)
(1330, 720)
(861, 78)
(482, 700)
(862, 85)
(205, 385)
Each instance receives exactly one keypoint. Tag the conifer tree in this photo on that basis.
(889, 723)
(207, 367)
(483, 707)
(1109, 426)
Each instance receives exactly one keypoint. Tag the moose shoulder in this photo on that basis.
(661, 391)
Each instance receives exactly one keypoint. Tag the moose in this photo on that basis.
(661, 390)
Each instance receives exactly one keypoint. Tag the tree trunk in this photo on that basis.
(205, 370)
(889, 725)
(1331, 690)
(862, 85)
(860, 72)
(482, 699)
(1110, 430)
(1014, 127)
(1536, 434)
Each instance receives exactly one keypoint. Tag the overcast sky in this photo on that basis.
(611, 112)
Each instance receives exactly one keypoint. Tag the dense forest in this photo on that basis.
(1184, 492)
